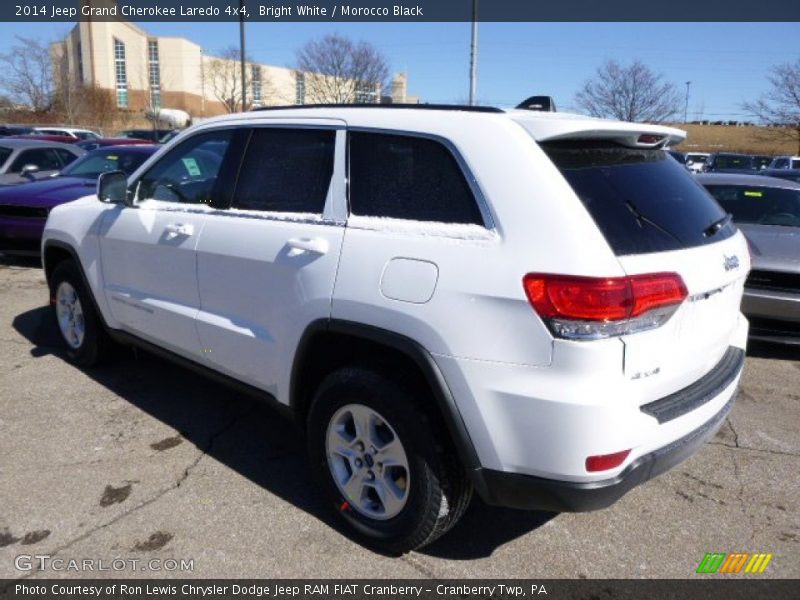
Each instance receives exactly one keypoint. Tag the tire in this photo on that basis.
(82, 332)
(421, 499)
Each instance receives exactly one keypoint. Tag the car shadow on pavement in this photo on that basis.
(251, 438)
(773, 351)
(485, 528)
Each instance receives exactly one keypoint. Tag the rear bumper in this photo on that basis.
(515, 490)
(771, 304)
(774, 315)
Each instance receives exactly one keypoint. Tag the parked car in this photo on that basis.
(103, 142)
(6, 130)
(790, 174)
(72, 132)
(61, 139)
(24, 208)
(767, 210)
(725, 162)
(696, 161)
(678, 156)
(761, 161)
(540, 307)
(159, 136)
(23, 160)
(785, 162)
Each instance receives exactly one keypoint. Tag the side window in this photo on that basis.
(44, 158)
(406, 177)
(65, 156)
(188, 173)
(286, 170)
(781, 163)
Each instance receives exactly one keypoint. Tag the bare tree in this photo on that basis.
(26, 74)
(69, 95)
(629, 93)
(779, 108)
(222, 74)
(337, 70)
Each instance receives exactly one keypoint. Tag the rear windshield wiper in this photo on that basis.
(717, 225)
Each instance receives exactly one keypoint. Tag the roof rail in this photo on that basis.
(462, 107)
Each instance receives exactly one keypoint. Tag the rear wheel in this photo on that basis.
(383, 461)
(80, 327)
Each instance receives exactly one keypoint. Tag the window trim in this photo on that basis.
(472, 182)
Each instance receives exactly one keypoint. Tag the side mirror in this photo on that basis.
(29, 170)
(112, 187)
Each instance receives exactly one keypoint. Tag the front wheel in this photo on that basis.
(383, 461)
(80, 327)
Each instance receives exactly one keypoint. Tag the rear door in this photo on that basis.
(266, 266)
(148, 251)
(657, 218)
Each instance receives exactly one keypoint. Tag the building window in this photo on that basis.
(121, 74)
(155, 74)
(366, 93)
(79, 61)
(257, 99)
(300, 88)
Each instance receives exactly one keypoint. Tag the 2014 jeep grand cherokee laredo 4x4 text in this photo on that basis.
(543, 308)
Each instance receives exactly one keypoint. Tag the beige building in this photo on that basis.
(144, 72)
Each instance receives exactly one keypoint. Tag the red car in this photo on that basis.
(64, 139)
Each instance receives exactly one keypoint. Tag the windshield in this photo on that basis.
(4, 154)
(641, 199)
(728, 161)
(102, 161)
(759, 205)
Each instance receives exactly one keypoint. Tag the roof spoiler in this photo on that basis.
(538, 103)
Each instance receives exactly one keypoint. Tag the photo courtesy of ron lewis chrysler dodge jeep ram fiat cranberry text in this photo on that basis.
(539, 307)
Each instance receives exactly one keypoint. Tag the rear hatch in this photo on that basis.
(657, 219)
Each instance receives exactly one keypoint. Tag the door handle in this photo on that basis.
(175, 229)
(312, 245)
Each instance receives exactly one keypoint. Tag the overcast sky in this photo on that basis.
(726, 62)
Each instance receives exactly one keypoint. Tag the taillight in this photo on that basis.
(604, 462)
(598, 307)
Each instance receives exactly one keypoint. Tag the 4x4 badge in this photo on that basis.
(731, 262)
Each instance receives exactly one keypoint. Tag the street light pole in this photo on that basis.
(242, 55)
(473, 56)
(686, 106)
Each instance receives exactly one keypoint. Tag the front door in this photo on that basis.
(148, 251)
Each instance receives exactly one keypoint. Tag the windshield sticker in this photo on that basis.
(754, 194)
(112, 157)
(191, 166)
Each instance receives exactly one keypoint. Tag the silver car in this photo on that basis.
(27, 160)
(767, 210)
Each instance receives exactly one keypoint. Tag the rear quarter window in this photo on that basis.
(407, 177)
(641, 200)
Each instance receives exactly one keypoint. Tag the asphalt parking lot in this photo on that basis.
(143, 460)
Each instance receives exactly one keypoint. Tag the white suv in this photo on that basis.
(538, 306)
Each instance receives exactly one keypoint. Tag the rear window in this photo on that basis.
(796, 164)
(641, 199)
(762, 205)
